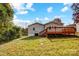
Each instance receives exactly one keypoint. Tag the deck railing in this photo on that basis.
(61, 30)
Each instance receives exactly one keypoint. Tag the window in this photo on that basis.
(49, 28)
(33, 29)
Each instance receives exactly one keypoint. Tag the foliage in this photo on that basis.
(17, 32)
(24, 31)
(7, 28)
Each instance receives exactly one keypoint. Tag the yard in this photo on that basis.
(37, 46)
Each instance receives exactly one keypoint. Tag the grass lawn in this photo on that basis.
(37, 46)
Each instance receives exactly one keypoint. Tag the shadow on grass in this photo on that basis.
(61, 36)
(51, 37)
(7, 41)
(32, 38)
(3, 42)
(26, 38)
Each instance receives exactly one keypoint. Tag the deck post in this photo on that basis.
(55, 31)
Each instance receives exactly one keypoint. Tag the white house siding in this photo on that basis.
(38, 28)
(53, 25)
(55, 30)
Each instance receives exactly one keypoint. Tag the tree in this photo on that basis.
(6, 17)
(24, 32)
(8, 31)
(75, 9)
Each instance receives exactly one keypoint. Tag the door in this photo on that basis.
(36, 34)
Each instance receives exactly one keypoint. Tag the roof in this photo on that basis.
(55, 21)
(36, 23)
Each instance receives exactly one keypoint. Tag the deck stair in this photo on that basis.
(43, 33)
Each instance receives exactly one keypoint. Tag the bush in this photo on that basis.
(10, 34)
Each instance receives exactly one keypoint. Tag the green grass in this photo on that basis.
(37, 46)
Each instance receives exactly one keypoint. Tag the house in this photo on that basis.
(55, 27)
(40, 29)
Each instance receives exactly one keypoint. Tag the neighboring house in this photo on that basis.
(34, 29)
(77, 27)
(77, 24)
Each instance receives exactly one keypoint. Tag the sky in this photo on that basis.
(28, 13)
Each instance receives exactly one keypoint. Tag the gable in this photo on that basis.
(36, 24)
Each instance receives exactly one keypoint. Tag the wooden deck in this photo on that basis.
(58, 31)
(61, 30)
